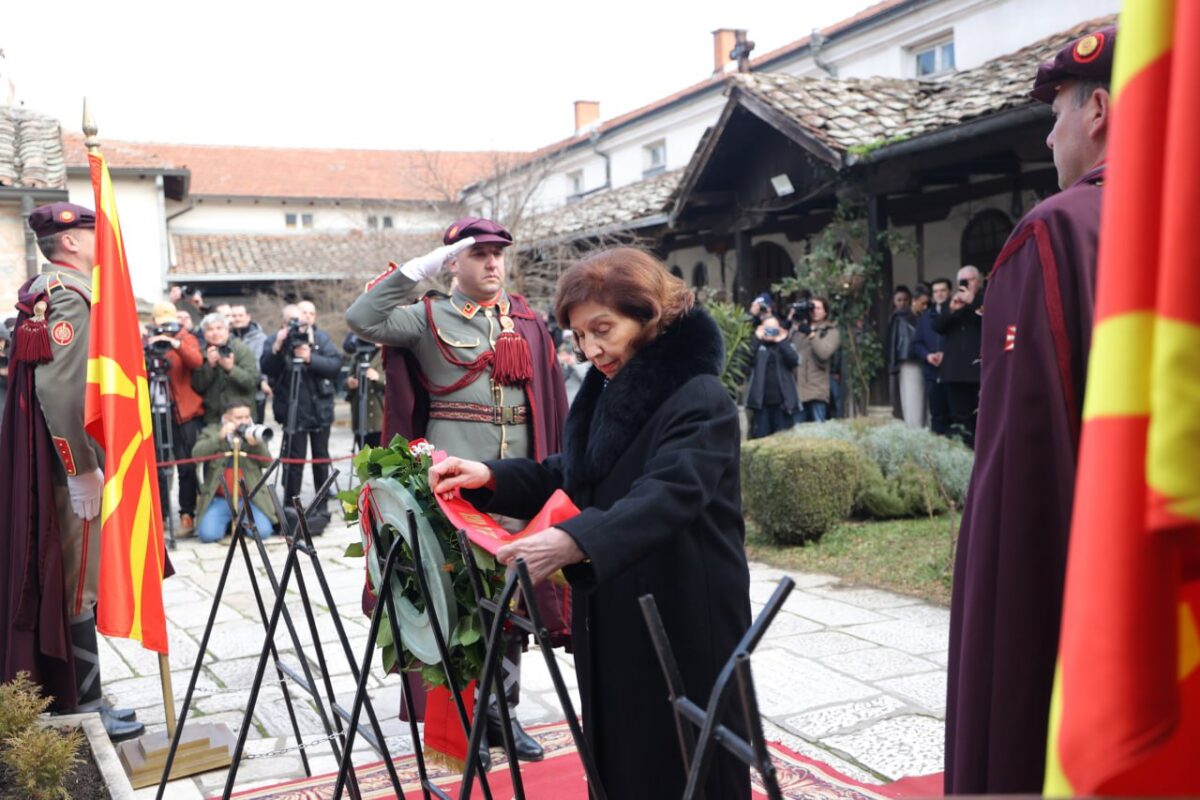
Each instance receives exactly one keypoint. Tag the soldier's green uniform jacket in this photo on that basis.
(386, 315)
(62, 382)
(219, 388)
(377, 389)
(210, 443)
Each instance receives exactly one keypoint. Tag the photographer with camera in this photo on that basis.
(302, 364)
(236, 423)
(816, 340)
(772, 394)
(172, 356)
(253, 336)
(962, 328)
(366, 407)
(228, 372)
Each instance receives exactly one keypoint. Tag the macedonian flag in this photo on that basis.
(1125, 718)
(117, 415)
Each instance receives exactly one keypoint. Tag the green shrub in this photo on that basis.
(41, 759)
(20, 705)
(796, 489)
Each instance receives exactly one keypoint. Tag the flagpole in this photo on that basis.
(164, 664)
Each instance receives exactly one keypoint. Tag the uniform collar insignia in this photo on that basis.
(468, 308)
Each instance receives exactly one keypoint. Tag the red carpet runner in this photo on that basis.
(560, 777)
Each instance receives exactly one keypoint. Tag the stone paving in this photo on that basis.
(852, 676)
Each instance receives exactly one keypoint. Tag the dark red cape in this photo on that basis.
(36, 635)
(1012, 548)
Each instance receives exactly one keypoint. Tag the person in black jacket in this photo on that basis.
(651, 458)
(302, 346)
(928, 347)
(959, 371)
(772, 395)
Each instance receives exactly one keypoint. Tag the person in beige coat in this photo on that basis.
(816, 341)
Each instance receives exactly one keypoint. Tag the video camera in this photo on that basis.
(297, 334)
(249, 430)
(167, 329)
(802, 311)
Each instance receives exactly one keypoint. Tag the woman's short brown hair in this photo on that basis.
(628, 280)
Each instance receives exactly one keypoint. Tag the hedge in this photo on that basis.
(796, 489)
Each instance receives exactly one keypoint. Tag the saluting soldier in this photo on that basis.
(51, 528)
(475, 372)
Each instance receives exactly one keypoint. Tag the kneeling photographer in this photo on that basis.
(816, 340)
(228, 372)
(302, 364)
(366, 407)
(236, 423)
(172, 355)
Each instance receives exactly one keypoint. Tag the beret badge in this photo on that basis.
(66, 215)
(1089, 47)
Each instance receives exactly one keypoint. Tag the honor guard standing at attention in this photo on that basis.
(475, 373)
(51, 480)
(1012, 549)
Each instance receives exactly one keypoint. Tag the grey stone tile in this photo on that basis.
(942, 657)
(896, 747)
(774, 733)
(828, 612)
(877, 663)
(146, 693)
(928, 616)
(788, 624)
(787, 684)
(927, 689)
(822, 643)
(864, 597)
(112, 666)
(231, 640)
(903, 635)
(832, 719)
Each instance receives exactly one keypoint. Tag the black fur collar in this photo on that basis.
(604, 420)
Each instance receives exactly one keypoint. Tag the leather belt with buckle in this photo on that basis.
(477, 412)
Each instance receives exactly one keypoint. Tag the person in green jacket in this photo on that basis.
(218, 438)
(229, 371)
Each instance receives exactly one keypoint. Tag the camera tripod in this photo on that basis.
(162, 418)
(362, 402)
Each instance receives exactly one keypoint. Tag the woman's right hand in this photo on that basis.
(458, 473)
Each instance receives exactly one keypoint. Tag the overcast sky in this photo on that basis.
(461, 75)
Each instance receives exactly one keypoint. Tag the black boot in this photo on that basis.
(526, 746)
(87, 681)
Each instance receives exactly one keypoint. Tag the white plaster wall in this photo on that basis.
(214, 215)
(687, 259)
(143, 228)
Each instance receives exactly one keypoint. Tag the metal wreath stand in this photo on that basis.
(399, 515)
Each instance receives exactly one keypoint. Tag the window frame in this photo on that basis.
(649, 167)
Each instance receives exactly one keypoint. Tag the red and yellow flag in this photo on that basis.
(117, 415)
(1125, 718)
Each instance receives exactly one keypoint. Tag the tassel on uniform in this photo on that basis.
(513, 364)
(31, 339)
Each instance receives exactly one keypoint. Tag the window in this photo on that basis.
(289, 220)
(306, 220)
(984, 238)
(677, 272)
(700, 275)
(575, 182)
(372, 221)
(934, 59)
(387, 222)
(654, 158)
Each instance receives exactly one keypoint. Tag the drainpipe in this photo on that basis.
(818, 44)
(594, 140)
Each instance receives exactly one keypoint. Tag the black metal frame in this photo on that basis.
(697, 753)
(162, 422)
(501, 612)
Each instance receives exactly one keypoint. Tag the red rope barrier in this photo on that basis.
(253, 457)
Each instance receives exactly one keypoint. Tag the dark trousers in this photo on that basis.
(939, 406)
(293, 474)
(963, 400)
(768, 420)
(815, 411)
(183, 438)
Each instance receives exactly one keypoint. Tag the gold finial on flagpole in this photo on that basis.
(90, 130)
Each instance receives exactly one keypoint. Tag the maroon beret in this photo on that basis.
(1088, 58)
(58, 217)
(484, 230)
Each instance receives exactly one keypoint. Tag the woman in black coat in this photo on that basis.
(651, 457)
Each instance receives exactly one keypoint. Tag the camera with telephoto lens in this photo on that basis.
(297, 334)
(167, 329)
(802, 311)
(249, 430)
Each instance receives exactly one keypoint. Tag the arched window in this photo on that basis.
(984, 238)
(677, 272)
(699, 275)
(771, 265)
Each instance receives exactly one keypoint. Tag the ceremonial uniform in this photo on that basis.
(1012, 548)
(479, 381)
(50, 548)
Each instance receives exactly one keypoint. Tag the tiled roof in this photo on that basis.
(619, 208)
(31, 150)
(420, 175)
(867, 112)
(307, 255)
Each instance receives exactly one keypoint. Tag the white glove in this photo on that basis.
(85, 492)
(430, 264)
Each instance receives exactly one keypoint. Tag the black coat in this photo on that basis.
(961, 331)
(786, 360)
(651, 458)
(315, 409)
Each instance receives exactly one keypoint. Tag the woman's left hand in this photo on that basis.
(545, 553)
